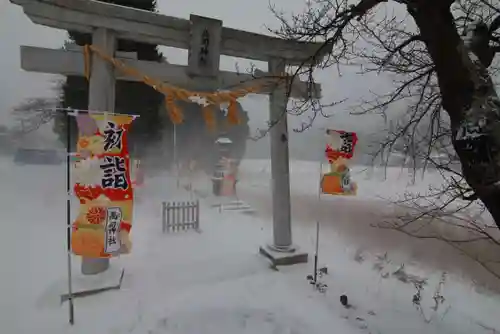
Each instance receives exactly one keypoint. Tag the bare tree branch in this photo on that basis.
(432, 95)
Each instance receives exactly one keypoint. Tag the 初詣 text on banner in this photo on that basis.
(339, 150)
(103, 185)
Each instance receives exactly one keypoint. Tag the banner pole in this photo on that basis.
(176, 163)
(320, 172)
(68, 217)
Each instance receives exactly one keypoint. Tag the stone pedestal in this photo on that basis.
(283, 257)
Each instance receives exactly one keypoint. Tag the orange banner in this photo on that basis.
(103, 186)
(339, 150)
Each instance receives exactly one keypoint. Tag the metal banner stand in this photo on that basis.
(68, 218)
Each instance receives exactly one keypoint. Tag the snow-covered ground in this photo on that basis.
(214, 281)
(353, 218)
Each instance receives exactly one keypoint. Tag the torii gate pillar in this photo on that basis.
(281, 251)
(102, 98)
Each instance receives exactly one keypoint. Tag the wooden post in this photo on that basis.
(197, 215)
(101, 98)
(282, 230)
(163, 216)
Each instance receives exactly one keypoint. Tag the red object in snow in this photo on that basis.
(348, 142)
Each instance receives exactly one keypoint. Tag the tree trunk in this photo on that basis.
(469, 97)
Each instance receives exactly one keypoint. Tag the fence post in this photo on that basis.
(163, 218)
(191, 215)
(173, 224)
(169, 216)
(197, 211)
(183, 218)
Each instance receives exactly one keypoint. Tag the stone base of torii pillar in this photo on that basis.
(95, 266)
(283, 257)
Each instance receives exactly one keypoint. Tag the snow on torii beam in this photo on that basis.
(148, 27)
(71, 62)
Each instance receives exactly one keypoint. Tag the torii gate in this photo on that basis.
(107, 22)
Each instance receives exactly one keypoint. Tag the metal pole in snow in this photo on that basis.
(316, 254)
(317, 221)
(317, 229)
(176, 164)
(68, 217)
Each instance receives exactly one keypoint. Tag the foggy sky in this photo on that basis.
(16, 30)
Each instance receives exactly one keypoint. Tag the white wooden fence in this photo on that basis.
(180, 216)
